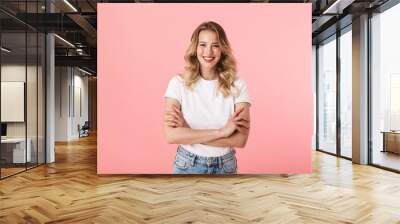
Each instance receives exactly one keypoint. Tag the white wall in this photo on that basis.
(62, 81)
(71, 93)
(79, 117)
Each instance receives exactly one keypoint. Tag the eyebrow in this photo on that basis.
(206, 42)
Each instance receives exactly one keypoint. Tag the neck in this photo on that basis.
(208, 74)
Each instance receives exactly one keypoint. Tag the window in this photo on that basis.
(385, 88)
(346, 92)
(327, 95)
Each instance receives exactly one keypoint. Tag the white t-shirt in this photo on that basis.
(203, 109)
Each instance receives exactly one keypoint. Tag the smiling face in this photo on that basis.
(208, 49)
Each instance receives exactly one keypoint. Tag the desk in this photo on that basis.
(15, 148)
(391, 141)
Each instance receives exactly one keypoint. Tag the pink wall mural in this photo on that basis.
(141, 47)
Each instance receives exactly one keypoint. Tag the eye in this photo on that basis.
(216, 45)
(202, 45)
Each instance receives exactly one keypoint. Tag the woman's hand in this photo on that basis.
(242, 120)
(229, 128)
(175, 118)
(238, 121)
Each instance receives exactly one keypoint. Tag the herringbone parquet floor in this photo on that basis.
(70, 191)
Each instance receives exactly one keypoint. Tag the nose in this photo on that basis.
(208, 51)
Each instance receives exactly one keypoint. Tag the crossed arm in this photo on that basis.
(233, 134)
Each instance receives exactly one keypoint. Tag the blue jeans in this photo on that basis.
(190, 163)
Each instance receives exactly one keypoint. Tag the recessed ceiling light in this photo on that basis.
(5, 50)
(64, 40)
(84, 71)
(70, 5)
(337, 7)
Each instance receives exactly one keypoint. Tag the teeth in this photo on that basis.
(208, 58)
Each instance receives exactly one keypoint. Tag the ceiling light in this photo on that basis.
(84, 71)
(70, 5)
(5, 50)
(337, 7)
(64, 40)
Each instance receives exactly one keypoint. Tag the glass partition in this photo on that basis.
(385, 89)
(41, 86)
(22, 77)
(32, 95)
(13, 109)
(327, 95)
(346, 93)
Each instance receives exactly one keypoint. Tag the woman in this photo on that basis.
(207, 108)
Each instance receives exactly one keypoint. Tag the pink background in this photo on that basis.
(141, 46)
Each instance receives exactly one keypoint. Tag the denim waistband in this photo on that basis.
(202, 159)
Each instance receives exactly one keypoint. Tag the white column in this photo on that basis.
(50, 92)
(50, 110)
(360, 90)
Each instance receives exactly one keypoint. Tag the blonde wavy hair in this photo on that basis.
(226, 67)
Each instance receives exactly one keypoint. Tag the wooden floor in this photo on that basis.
(5, 172)
(69, 191)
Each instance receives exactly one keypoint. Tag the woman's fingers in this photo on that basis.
(243, 123)
(173, 114)
(170, 116)
(243, 129)
(170, 119)
(241, 119)
(236, 113)
(242, 116)
(177, 110)
(171, 124)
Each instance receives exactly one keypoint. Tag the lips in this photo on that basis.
(208, 59)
